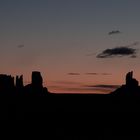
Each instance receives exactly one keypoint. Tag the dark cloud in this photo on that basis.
(20, 46)
(118, 52)
(73, 73)
(114, 32)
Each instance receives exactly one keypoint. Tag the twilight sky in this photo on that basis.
(82, 46)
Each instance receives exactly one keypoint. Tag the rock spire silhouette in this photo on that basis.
(130, 88)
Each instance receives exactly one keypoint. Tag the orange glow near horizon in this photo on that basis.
(64, 83)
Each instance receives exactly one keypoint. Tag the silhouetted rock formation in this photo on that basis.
(130, 81)
(19, 81)
(37, 80)
(7, 85)
(130, 88)
(6, 82)
(36, 87)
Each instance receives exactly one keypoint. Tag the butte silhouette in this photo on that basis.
(131, 87)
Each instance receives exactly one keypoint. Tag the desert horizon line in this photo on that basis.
(68, 87)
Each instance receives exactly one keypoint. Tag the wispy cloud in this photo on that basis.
(103, 86)
(65, 82)
(90, 73)
(79, 90)
(94, 89)
(76, 87)
(114, 32)
(106, 74)
(134, 44)
(73, 73)
(20, 46)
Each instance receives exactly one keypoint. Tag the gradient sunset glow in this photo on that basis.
(73, 43)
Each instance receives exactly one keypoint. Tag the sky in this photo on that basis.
(79, 46)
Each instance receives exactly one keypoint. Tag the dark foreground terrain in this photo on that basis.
(72, 117)
(24, 107)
